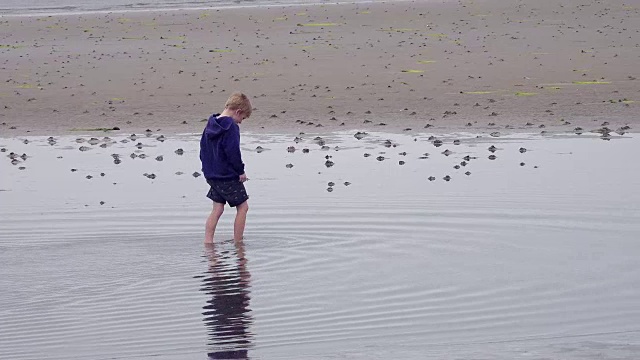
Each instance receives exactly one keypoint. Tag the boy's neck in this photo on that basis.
(229, 113)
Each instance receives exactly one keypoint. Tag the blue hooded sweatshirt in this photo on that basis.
(220, 149)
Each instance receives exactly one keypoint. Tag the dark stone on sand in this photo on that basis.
(89, 177)
(195, 174)
(101, 202)
(522, 150)
(74, 170)
(291, 149)
(522, 164)
(289, 166)
(329, 189)
(117, 161)
(346, 183)
(463, 163)
(367, 154)
(159, 158)
(468, 173)
(387, 143)
(401, 162)
(495, 134)
(331, 183)
(446, 178)
(3, 150)
(115, 128)
(456, 167)
(305, 151)
(102, 174)
(84, 148)
(15, 162)
(456, 142)
(437, 142)
(161, 138)
(447, 152)
(404, 153)
(259, 149)
(492, 157)
(359, 135)
(492, 148)
(21, 168)
(142, 156)
(380, 158)
(328, 163)
(431, 178)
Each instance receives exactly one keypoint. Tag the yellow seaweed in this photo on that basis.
(426, 61)
(412, 71)
(595, 82)
(479, 92)
(522, 93)
(220, 50)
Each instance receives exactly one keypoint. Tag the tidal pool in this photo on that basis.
(532, 254)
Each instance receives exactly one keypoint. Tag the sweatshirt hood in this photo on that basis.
(217, 125)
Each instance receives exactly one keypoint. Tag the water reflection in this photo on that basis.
(227, 314)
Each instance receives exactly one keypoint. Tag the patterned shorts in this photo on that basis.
(227, 191)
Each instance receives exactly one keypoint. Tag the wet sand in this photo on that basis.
(483, 66)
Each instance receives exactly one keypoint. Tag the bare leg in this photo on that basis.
(241, 219)
(212, 222)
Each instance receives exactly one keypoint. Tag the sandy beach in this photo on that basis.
(483, 66)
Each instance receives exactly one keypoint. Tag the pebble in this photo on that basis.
(289, 166)
(179, 151)
(196, 174)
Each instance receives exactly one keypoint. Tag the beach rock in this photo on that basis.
(360, 135)
(179, 173)
(367, 154)
(522, 150)
(289, 166)
(291, 149)
(446, 178)
(328, 163)
(492, 157)
(468, 173)
(346, 183)
(84, 148)
(93, 141)
(159, 158)
(380, 158)
(331, 183)
(492, 148)
(196, 174)
(329, 189)
(447, 152)
(431, 178)
(401, 162)
(179, 152)
(305, 151)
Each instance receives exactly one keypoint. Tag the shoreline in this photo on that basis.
(435, 67)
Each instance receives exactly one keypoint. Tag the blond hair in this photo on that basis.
(239, 101)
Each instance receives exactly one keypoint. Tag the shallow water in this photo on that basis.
(532, 261)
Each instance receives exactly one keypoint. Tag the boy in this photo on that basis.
(222, 164)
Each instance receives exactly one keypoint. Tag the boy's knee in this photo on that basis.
(243, 207)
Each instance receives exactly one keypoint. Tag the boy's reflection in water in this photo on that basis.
(227, 314)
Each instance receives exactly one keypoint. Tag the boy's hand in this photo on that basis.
(243, 178)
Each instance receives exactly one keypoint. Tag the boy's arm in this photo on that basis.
(232, 149)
